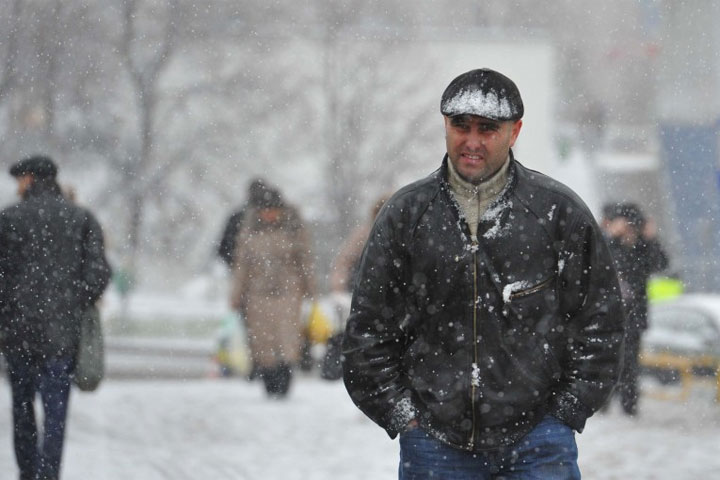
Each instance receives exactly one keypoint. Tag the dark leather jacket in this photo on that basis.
(479, 340)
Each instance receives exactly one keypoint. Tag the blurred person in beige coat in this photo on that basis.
(272, 276)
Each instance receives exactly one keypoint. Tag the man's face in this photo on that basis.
(270, 214)
(623, 230)
(477, 146)
(23, 182)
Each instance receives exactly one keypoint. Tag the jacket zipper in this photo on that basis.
(474, 368)
(531, 290)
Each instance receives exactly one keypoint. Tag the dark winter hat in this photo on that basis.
(38, 166)
(485, 93)
(627, 210)
(261, 195)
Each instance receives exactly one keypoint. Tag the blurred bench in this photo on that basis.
(687, 367)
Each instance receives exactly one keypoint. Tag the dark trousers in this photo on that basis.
(38, 454)
(277, 380)
(548, 452)
(627, 387)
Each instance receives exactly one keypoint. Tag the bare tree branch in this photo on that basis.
(7, 77)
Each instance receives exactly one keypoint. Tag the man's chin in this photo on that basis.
(474, 179)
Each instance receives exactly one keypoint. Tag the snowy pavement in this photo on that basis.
(159, 358)
(218, 429)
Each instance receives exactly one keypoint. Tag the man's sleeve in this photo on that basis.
(374, 337)
(95, 267)
(655, 256)
(592, 306)
(3, 265)
(226, 249)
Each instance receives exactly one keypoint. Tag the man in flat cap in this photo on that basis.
(52, 268)
(486, 318)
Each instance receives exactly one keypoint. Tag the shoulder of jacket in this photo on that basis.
(411, 201)
(87, 215)
(17, 210)
(9, 210)
(547, 197)
(419, 189)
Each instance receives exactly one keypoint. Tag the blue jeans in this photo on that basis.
(548, 452)
(50, 377)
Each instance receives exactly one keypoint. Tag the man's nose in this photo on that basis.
(474, 140)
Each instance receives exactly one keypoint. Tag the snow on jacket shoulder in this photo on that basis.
(479, 340)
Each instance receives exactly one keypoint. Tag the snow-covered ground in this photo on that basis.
(218, 429)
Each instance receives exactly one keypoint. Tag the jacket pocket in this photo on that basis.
(530, 302)
(531, 320)
(524, 292)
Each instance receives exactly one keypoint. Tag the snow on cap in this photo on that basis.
(485, 93)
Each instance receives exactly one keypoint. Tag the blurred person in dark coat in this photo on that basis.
(272, 275)
(52, 268)
(226, 248)
(637, 253)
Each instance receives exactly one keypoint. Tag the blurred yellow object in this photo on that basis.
(664, 288)
(319, 328)
(233, 361)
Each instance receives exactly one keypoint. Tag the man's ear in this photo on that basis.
(515, 132)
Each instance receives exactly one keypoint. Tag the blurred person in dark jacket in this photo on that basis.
(52, 268)
(486, 320)
(638, 254)
(226, 248)
(272, 275)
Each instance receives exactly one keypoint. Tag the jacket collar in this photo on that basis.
(489, 188)
(442, 175)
